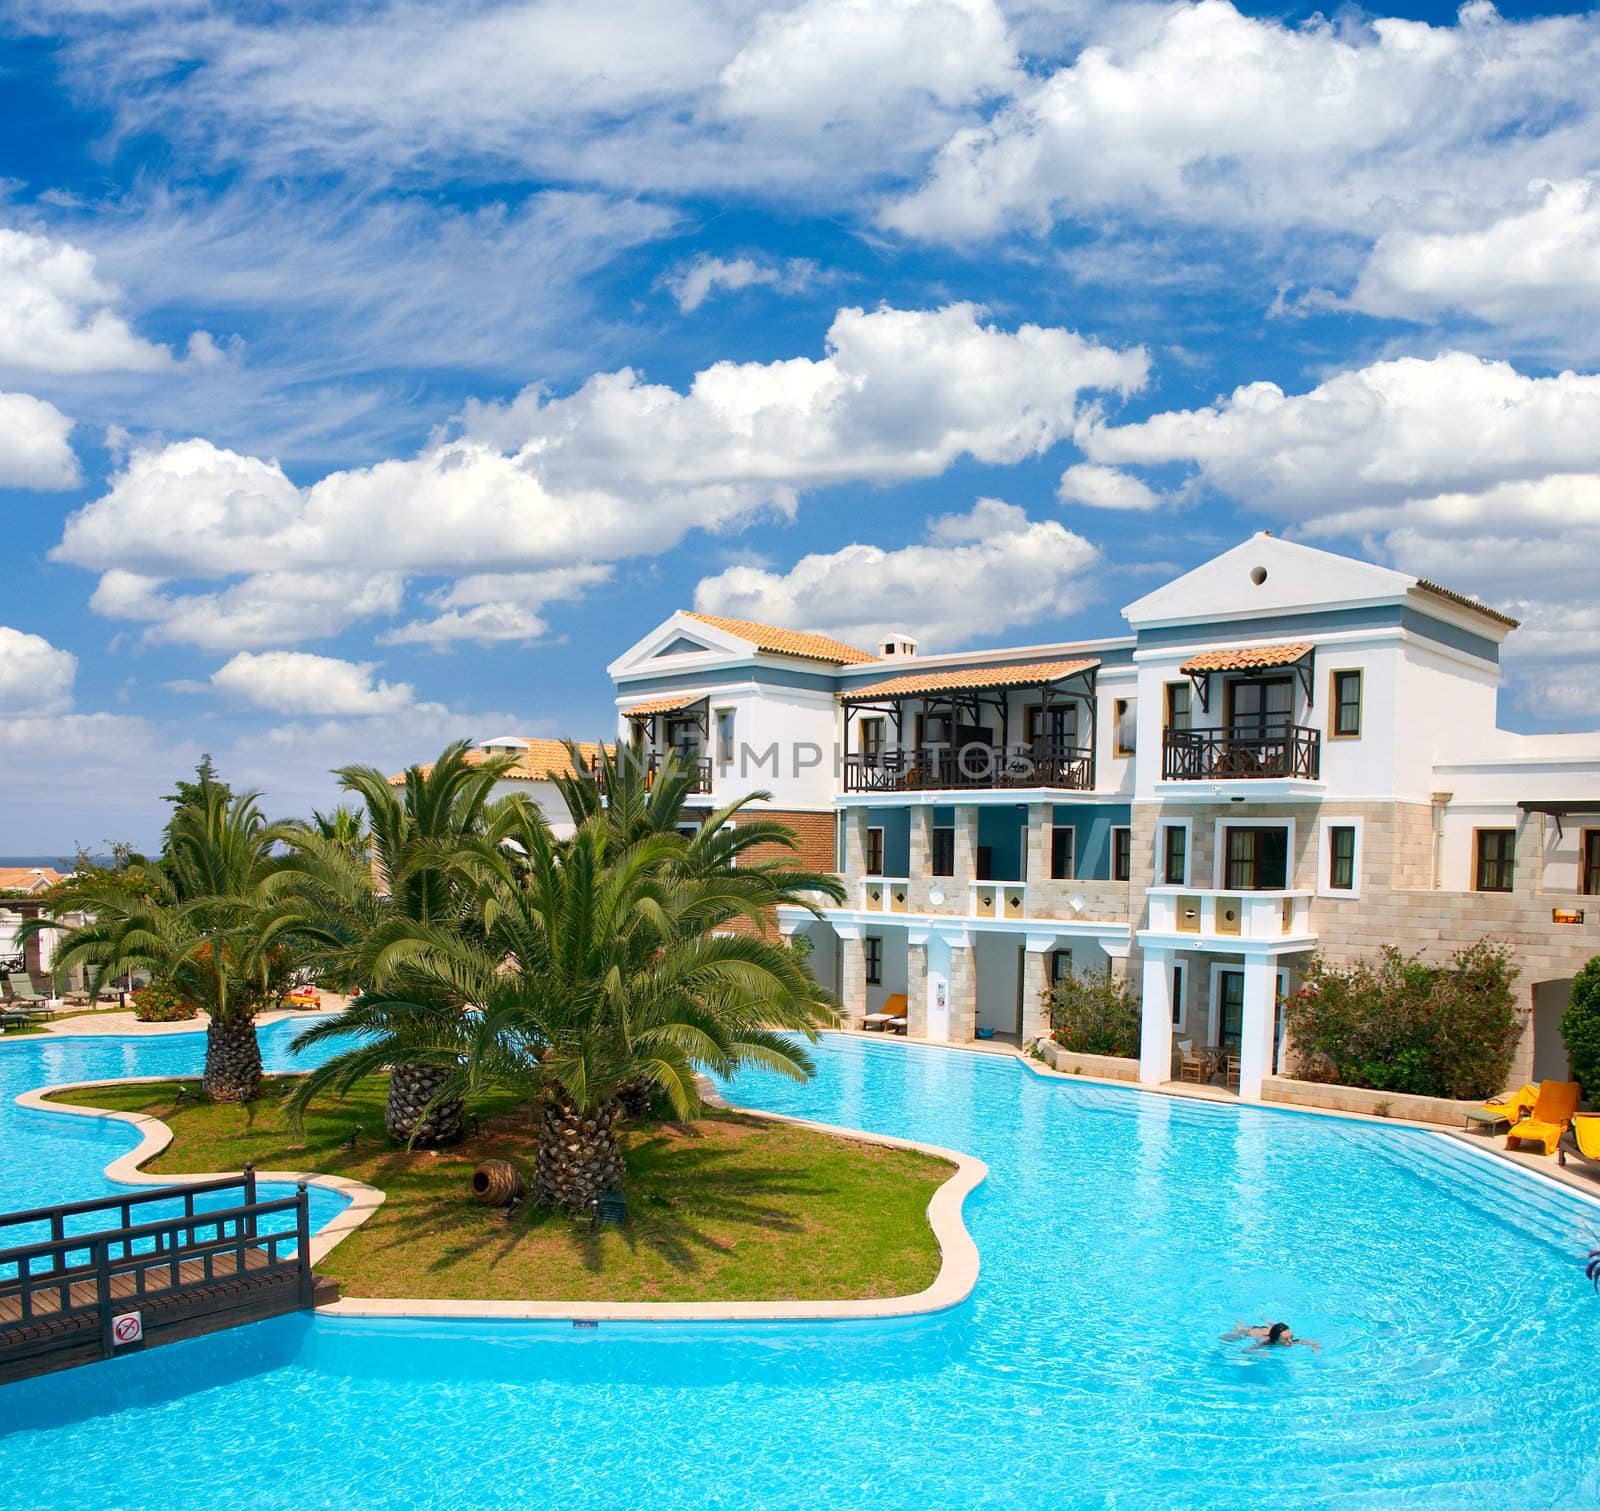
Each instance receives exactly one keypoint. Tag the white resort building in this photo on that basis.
(1290, 752)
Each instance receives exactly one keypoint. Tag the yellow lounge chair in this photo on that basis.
(894, 1007)
(1558, 1100)
(1586, 1136)
(1507, 1109)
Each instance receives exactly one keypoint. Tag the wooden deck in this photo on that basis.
(62, 1300)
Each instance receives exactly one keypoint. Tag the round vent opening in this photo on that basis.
(1258, 575)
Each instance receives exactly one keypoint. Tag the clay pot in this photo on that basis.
(496, 1182)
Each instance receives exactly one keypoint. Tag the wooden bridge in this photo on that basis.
(114, 1277)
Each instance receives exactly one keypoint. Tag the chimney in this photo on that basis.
(897, 645)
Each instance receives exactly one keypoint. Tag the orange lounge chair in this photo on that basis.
(1511, 1108)
(892, 1016)
(1585, 1137)
(1558, 1100)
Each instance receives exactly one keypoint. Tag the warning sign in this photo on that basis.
(128, 1328)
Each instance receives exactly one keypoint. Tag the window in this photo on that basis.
(1125, 715)
(944, 852)
(1180, 705)
(1177, 996)
(1261, 708)
(872, 741)
(725, 736)
(1257, 860)
(872, 948)
(1059, 725)
(1341, 857)
(1063, 853)
(1174, 855)
(1060, 965)
(1121, 853)
(874, 851)
(1346, 705)
(1497, 859)
(1590, 880)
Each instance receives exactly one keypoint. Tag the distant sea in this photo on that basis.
(59, 862)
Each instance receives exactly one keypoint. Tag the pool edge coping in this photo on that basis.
(959, 1261)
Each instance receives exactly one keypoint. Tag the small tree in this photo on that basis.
(1094, 1013)
(1580, 1027)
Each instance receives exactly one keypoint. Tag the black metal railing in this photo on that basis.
(110, 1269)
(1212, 755)
(652, 762)
(1044, 763)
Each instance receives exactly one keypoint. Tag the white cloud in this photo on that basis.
(1535, 264)
(1101, 487)
(35, 677)
(293, 682)
(1456, 468)
(1221, 119)
(34, 452)
(693, 285)
(493, 607)
(56, 316)
(978, 574)
(619, 468)
(833, 61)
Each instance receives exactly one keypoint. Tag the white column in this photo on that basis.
(1255, 1043)
(1155, 1040)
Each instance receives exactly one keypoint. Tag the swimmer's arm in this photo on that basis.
(1315, 1348)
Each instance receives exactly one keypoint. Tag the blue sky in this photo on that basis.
(372, 373)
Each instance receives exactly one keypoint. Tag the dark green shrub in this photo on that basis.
(159, 1002)
(1393, 1023)
(1580, 1028)
(1093, 1013)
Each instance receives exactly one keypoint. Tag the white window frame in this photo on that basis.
(1180, 1005)
(1325, 857)
(1219, 850)
(1214, 998)
(1160, 867)
(731, 714)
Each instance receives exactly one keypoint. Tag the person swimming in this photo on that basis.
(1269, 1335)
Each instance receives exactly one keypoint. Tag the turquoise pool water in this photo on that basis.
(1120, 1235)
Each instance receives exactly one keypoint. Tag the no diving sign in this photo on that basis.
(126, 1329)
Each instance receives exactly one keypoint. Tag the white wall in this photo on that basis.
(997, 959)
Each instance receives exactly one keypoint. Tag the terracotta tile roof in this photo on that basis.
(668, 705)
(1247, 658)
(767, 637)
(1029, 674)
(542, 760)
(1462, 601)
(28, 878)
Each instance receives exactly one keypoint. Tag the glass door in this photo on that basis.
(1230, 1009)
(1263, 708)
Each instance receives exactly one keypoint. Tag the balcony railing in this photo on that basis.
(652, 762)
(1045, 763)
(1242, 752)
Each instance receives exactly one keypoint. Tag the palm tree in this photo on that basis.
(599, 965)
(358, 902)
(207, 918)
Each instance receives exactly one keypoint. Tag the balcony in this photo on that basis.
(1241, 753)
(939, 768)
(885, 894)
(653, 762)
(1226, 919)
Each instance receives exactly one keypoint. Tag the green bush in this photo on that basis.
(1580, 1028)
(1093, 1013)
(1393, 1023)
(159, 1002)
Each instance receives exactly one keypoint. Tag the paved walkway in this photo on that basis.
(121, 1021)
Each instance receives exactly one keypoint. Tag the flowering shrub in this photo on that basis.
(1395, 1024)
(1093, 1013)
(159, 1002)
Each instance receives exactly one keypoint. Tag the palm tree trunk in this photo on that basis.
(578, 1156)
(407, 1116)
(233, 1062)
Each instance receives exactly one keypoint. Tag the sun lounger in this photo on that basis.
(893, 1008)
(1511, 1108)
(1558, 1100)
(24, 996)
(1585, 1133)
(901, 1020)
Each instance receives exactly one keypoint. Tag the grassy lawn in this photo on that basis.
(730, 1209)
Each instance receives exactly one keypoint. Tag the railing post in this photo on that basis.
(102, 1280)
(302, 1217)
(250, 1195)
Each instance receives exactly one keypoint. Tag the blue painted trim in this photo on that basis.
(1369, 616)
(770, 676)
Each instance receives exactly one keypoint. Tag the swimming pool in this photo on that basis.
(1120, 1234)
